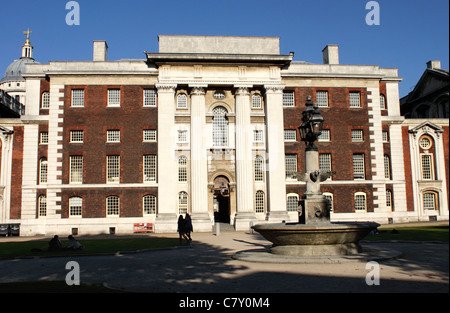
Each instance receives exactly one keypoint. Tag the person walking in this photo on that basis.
(188, 226)
(181, 229)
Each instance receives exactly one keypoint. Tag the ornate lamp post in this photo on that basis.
(315, 205)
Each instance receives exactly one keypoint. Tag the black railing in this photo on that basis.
(11, 103)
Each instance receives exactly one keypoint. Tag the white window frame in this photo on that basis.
(325, 136)
(182, 101)
(354, 99)
(113, 136)
(290, 135)
(260, 201)
(75, 206)
(182, 169)
(360, 205)
(182, 136)
(149, 205)
(389, 199)
(427, 170)
(256, 101)
(387, 166)
(288, 99)
(112, 206)
(43, 171)
(149, 135)
(42, 206)
(76, 169)
(220, 127)
(426, 201)
(357, 135)
(383, 102)
(258, 136)
(114, 97)
(385, 136)
(149, 168)
(290, 205)
(291, 166)
(76, 136)
(43, 138)
(113, 169)
(359, 166)
(149, 98)
(325, 163)
(258, 164)
(183, 202)
(45, 100)
(77, 100)
(322, 98)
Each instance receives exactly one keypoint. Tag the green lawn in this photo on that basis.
(32, 247)
(421, 233)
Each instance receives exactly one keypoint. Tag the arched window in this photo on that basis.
(259, 168)
(388, 199)
(182, 101)
(45, 104)
(256, 101)
(220, 127)
(149, 204)
(383, 102)
(43, 169)
(112, 206)
(360, 201)
(182, 203)
(259, 201)
(75, 206)
(182, 169)
(387, 167)
(292, 202)
(42, 206)
(430, 200)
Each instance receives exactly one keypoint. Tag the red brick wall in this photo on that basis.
(407, 162)
(340, 120)
(16, 175)
(445, 137)
(95, 118)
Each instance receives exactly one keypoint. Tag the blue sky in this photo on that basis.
(411, 32)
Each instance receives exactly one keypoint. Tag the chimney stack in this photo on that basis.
(434, 64)
(331, 54)
(100, 50)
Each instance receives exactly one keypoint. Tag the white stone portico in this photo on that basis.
(199, 67)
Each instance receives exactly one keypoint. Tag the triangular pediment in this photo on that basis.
(431, 81)
(427, 127)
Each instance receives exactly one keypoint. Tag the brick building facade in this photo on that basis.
(209, 125)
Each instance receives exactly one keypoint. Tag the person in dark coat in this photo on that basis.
(181, 229)
(54, 244)
(188, 226)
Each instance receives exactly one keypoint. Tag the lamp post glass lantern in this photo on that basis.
(311, 126)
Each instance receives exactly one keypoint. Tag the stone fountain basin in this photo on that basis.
(315, 239)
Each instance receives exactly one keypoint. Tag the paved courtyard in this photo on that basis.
(208, 266)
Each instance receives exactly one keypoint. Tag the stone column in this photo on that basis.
(166, 218)
(276, 184)
(245, 212)
(199, 171)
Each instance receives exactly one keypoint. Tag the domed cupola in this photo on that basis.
(15, 70)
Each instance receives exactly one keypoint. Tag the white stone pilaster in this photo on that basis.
(244, 181)
(166, 219)
(276, 185)
(199, 171)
